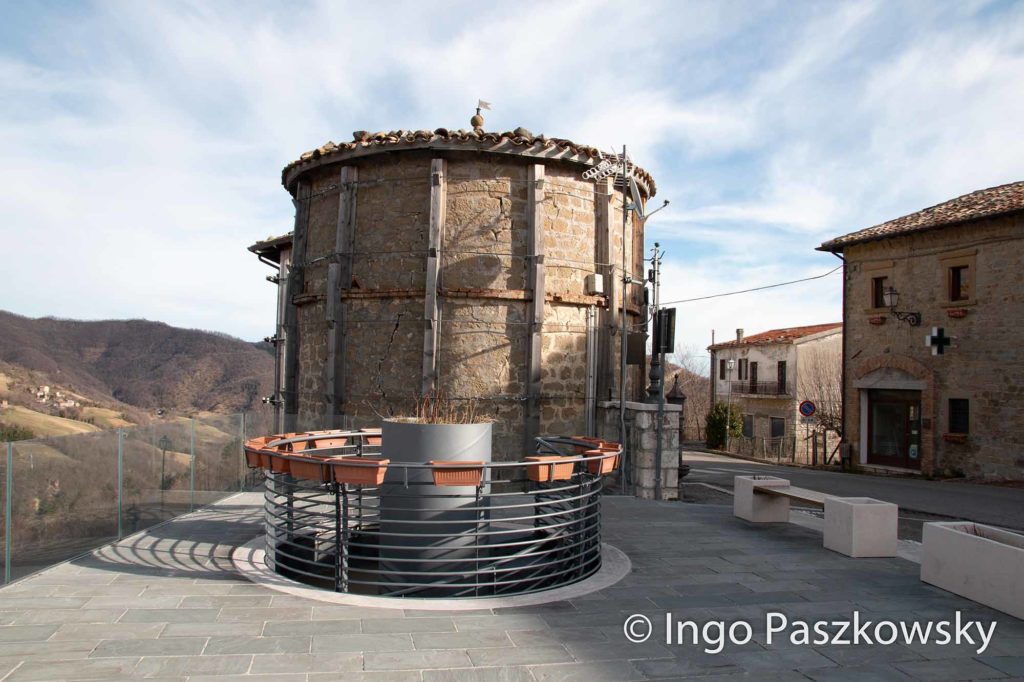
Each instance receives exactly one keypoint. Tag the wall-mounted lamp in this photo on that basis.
(891, 298)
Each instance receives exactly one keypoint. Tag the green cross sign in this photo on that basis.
(938, 340)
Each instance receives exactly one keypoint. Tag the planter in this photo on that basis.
(600, 467)
(325, 441)
(448, 472)
(957, 313)
(359, 470)
(372, 437)
(979, 562)
(877, 319)
(309, 469)
(542, 473)
(955, 437)
(279, 465)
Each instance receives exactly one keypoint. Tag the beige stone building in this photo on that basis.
(933, 310)
(764, 378)
(482, 265)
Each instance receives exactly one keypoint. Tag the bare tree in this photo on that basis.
(821, 381)
(689, 367)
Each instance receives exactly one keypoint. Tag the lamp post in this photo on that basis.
(729, 365)
(165, 443)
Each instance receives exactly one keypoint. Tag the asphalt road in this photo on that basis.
(991, 504)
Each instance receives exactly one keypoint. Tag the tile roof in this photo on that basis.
(984, 203)
(271, 246)
(520, 141)
(786, 335)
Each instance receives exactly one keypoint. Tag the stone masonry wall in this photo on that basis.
(483, 286)
(984, 365)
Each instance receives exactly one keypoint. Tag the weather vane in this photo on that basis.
(478, 121)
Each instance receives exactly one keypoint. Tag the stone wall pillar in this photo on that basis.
(642, 443)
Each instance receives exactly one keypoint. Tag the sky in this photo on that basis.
(141, 143)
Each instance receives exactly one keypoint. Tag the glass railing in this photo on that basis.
(66, 495)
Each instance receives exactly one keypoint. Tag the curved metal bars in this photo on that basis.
(518, 527)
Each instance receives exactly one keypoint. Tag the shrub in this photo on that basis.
(9, 432)
(716, 421)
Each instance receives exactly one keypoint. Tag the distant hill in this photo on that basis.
(146, 364)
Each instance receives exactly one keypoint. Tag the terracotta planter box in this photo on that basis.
(279, 465)
(982, 563)
(325, 442)
(542, 473)
(359, 470)
(452, 473)
(877, 319)
(955, 437)
(600, 467)
(253, 459)
(309, 469)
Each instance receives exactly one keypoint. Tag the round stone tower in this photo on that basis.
(480, 265)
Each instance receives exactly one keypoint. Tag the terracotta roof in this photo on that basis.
(786, 335)
(271, 246)
(985, 203)
(518, 141)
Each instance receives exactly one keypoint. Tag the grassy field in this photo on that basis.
(105, 418)
(43, 424)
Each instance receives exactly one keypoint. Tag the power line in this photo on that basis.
(747, 291)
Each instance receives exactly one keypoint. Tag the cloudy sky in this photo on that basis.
(141, 143)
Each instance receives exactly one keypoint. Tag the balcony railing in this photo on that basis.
(766, 388)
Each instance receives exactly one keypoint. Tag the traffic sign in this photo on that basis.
(807, 408)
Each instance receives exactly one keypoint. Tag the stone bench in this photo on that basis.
(854, 526)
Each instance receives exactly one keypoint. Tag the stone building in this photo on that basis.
(933, 371)
(771, 374)
(477, 264)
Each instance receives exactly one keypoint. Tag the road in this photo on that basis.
(995, 505)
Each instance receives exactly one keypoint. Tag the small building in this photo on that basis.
(765, 377)
(933, 367)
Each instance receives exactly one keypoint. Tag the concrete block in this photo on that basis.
(759, 508)
(861, 526)
(979, 562)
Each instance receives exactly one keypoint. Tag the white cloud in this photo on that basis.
(142, 142)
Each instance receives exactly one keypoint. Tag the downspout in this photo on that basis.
(842, 389)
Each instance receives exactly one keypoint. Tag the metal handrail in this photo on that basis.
(512, 535)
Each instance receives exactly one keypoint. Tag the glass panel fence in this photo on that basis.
(70, 494)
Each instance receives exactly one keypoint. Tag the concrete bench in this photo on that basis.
(854, 526)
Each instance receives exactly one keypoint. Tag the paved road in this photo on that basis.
(1000, 506)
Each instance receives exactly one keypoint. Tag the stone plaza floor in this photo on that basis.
(168, 604)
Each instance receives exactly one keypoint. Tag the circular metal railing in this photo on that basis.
(338, 516)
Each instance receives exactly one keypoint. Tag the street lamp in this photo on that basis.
(164, 444)
(891, 299)
(676, 397)
(729, 365)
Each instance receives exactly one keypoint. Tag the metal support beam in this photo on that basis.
(431, 304)
(296, 284)
(339, 279)
(535, 258)
(609, 320)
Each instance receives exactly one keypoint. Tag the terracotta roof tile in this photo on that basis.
(786, 335)
(984, 203)
(477, 140)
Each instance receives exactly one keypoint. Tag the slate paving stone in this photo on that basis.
(164, 666)
(257, 645)
(310, 627)
(1011, 665)
(520, 654)
(385, 625)
(170, 646)
(680, 552)
(266, 664)
(501, 674)
(468, 640)
(365, 643)
(91, 669)
(415, 660)
(950, 669)
(610, 671)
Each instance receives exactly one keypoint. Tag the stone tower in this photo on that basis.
(457, 261)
